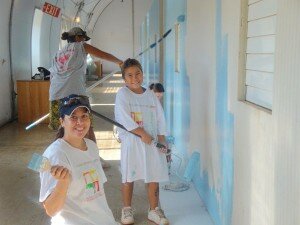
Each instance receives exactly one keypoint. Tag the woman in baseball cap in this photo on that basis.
(72, 191)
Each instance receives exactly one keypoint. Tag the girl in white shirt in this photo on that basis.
(139, 111)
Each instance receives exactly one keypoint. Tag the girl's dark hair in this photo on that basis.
(157, 87)
(61, 131)
(129, 63)
(66, 36)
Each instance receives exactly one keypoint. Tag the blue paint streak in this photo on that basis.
(177, 106)
(224, 121)
(220, 210)
(207, 194)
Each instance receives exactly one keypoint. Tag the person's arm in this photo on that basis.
(146, 138)
(56, 200)
(101, 54)
(123, 116)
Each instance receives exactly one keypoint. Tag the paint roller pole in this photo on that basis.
(101, 81)
(157, 144)
(37, 122)
(88, 90)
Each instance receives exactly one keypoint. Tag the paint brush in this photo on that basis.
(39, 163)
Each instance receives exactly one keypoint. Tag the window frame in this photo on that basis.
(242, 66)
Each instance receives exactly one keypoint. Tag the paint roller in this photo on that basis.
(187, 177)
(181, 18)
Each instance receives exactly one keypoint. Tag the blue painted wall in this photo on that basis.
(177, 100)
(218, 198)
(177, 88)
(220, 208)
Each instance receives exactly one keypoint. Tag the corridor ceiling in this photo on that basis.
(92, 10)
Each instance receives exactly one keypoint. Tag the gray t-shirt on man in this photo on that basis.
(68, 72)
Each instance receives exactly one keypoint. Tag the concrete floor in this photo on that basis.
(19, 186)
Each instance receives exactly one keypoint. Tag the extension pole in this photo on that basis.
(157, 144)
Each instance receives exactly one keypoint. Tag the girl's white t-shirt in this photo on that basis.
(85, 201)
(140, 161)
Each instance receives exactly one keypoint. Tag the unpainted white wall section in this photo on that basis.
(113, 31)
(5, 72)
(140, 10)
(22, 19)
(286, 113)
(201, 68)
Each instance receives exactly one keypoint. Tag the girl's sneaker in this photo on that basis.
(157, 216)
(127, 215)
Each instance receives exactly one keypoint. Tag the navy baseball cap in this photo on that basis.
(69, 104)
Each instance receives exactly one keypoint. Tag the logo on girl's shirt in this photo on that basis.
(137, 117)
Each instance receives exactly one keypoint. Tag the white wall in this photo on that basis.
(22, 19)
(113, 31)
(286, 105)
(200, 41)
(141, 8)
(266, 144)
(5, 73)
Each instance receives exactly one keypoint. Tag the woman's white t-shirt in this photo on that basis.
(85, 202)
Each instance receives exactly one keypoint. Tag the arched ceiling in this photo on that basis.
(92, 10)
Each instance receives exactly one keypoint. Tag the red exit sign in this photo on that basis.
(51, 9)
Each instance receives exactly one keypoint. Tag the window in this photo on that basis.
(260, 51)
(35, 40)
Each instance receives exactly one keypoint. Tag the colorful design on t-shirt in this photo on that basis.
(63, 58)
(92, 184)
(137, 117)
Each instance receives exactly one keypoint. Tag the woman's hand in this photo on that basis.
(120, 64)
(60, 173)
